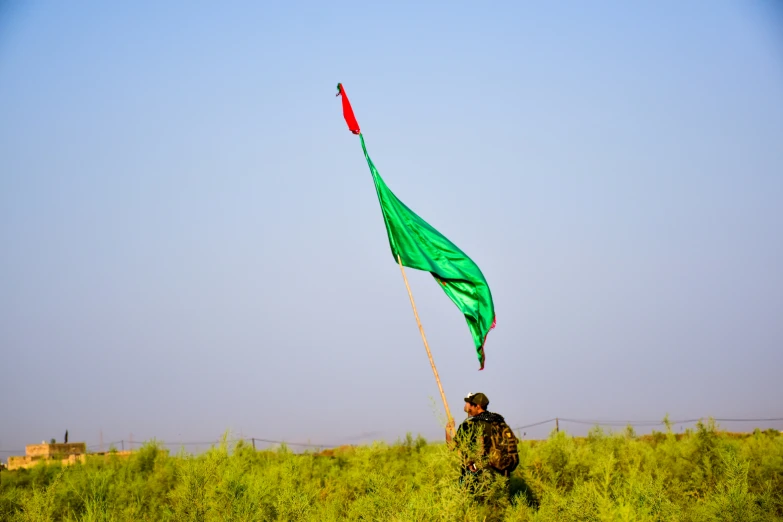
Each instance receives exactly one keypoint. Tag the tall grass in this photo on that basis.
(702, 475)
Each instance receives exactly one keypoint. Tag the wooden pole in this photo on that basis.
(450, 425)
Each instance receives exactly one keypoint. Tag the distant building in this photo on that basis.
(66, 454)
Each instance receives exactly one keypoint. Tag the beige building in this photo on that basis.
(66, 454)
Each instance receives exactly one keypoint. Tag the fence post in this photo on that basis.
(254, 443)
(557, 424)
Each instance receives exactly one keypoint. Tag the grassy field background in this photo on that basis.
(701, 475)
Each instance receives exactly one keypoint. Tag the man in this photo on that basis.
(474, 438)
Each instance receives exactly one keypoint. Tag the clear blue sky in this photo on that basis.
(190, 241)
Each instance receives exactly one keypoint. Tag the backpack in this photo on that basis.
(503, 454)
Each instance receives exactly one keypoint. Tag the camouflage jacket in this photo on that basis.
(473, 438)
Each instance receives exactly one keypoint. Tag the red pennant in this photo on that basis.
(350, 119)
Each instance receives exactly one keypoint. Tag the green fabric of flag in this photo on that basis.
(422, 247)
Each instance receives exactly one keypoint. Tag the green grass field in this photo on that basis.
(702, 475)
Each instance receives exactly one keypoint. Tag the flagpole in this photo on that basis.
(450, 425)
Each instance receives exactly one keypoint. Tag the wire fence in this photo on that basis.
(123, 445)
(640, 423)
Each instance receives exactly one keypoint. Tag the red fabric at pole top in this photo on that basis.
(350, 119)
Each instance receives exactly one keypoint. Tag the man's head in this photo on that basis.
(475, 403)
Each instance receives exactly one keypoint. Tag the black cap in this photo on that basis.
(479, 399)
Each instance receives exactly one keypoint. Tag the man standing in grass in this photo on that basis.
(487, 446)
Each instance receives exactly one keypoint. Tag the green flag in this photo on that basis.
(420, 246)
